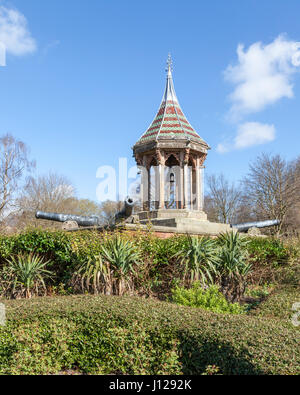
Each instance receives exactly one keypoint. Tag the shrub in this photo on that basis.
(113, 335)
(279, 304)
(93, 275)
(233, 268)
(267, 251)
(210, 299)
(24, 275)
(112, 272)
(198, 259)
(121, 257)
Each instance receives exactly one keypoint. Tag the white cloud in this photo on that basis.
(248, 135)
(262, 75)
(14, 33)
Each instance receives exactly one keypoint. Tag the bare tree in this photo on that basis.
(14, 163)
(293, 214)
(50, 193)
(108, 210)
(271, 188)
(223, 199)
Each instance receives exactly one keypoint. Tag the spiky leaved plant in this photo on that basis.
(94, 275)
(25, 275)
(198, 258)
(233, 267)
(122, 257)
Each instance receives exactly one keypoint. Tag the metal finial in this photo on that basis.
(169, 63)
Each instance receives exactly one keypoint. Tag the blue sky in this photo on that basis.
(84, 79)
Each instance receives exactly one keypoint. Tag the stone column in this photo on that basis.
(161, 167)
(185, 178)
(144, 184)
(201, 187)
(191, 186)
(198, 186)
(181, 180)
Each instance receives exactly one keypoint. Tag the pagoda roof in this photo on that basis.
(170, 122)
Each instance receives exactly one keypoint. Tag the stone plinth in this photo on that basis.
(179, 221)
(182, 226)
(165, 214)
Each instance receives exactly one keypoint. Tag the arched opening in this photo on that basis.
(172, 182)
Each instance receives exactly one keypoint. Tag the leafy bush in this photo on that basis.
(259, 291)
(126, 335)
(210, 299)
(279, 304)
(165, 262)
(268, 251)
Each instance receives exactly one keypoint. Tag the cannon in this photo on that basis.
(127, 210)
(71, 222)
(257, 224)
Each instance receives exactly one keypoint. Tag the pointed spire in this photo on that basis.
(170, 66)
(170, 90)
(170, 122)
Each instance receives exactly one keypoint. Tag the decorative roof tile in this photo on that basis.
(170, 120)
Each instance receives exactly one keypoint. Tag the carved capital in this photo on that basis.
(139, 159)
(160, 157)
(202, 159)
(186, 156)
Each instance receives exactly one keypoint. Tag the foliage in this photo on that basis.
(112, 272)
(164, 262)
(279, 304)
(199, 260)
(24, 275)
(64, 250)
(121, 257)
(267, 251)
(210, 299)
(259, 291)
(93, 275)
(233, 267)
(128, 335)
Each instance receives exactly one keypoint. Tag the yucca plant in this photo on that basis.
(122, 257)
(199, 258)
(233, 267)
(24, 275)
(94, 275)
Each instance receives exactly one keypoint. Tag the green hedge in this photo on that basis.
(268, 251)
(160, 272)
(279, 304)
(63, 249)
(96, 334)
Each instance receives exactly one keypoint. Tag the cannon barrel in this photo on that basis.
(257, 224)
(86, 221)
(126, 212)
(93, 220)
